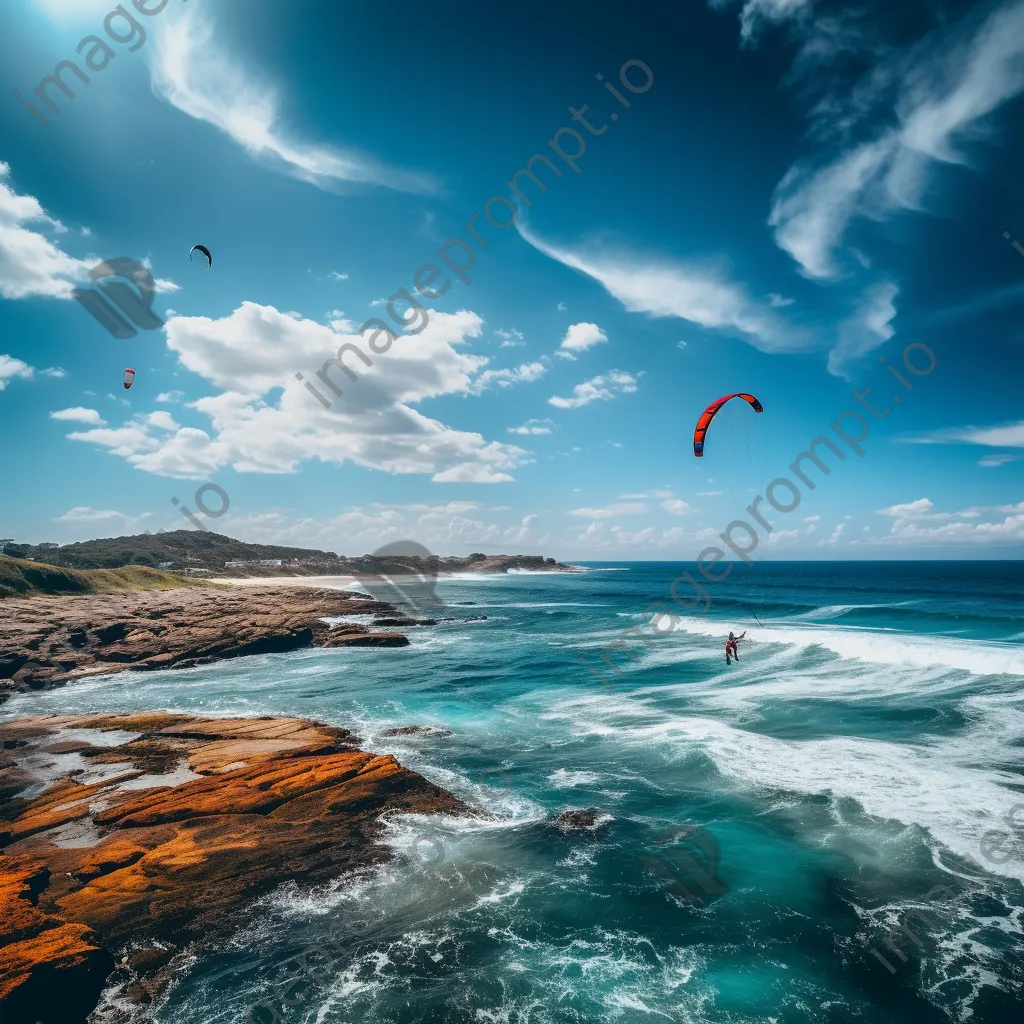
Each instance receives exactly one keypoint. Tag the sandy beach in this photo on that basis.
(288, 581)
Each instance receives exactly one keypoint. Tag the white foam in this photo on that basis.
(888, 647)
(945, 785)
(563, 779)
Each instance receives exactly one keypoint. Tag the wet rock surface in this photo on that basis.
(579, 820)
(50, 641)
(128, 857)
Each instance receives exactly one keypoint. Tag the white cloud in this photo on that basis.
(533, 427)
(194, 74)
(580, 337)
(603, 388)
(778, 302)
(868, 328)
(169, 396)
(511, 339)
(1009, 435)
(30, 264)
(946, 86)
(677, 507)
(756, 13)
(11, 368)
(702, 295)
(57, 372)
(257, 349)
(965, 527)
(334, 275)
(921, 507)
(709, 494)
(991, 461)
(525, 374)
(561, 307)
(79, 415)
(621, 509)
(87, 514)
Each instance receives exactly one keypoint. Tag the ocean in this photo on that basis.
(762, 830)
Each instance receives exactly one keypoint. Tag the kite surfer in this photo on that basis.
(730, 646)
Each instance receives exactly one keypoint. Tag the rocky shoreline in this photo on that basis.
(140, 840)
(48, 641)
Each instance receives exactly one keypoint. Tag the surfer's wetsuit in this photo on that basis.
(730, 646)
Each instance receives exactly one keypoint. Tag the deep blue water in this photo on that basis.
(854, 759)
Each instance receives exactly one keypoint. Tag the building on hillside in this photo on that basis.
(165, 565)
(48, 546)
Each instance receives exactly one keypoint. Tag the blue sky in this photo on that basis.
(804, 189)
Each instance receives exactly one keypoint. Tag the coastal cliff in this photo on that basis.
(48, 641)
(147, 838)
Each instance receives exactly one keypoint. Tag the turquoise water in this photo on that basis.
(854, 759)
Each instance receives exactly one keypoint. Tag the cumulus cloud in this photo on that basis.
(79, 415)
(193, 73)
(912, 509)
(700, 294)
(603, 388)
(920, 524)
(254, 352)
(30, 264)
(580, 337)
(11, 368)
(677, 507)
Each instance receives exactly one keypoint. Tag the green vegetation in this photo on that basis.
(186, 549)
(19, 578)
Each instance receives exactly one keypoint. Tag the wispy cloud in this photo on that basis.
(866, 329)
(533, 427)
(622, 509)
(524, 374)
(193, 73)
(1009, 435)
(944, 87)
(756, 13)
(699, 294)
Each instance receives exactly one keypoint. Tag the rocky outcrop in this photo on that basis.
(95, 874)
(49, 641)
(577, 820)
(416, 730)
